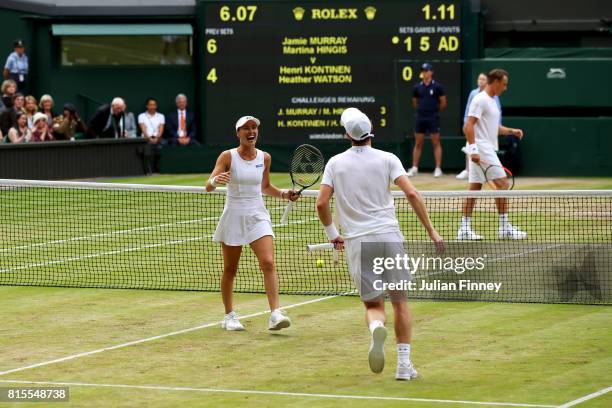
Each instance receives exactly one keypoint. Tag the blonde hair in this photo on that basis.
(8, 83)
(45, 98)
(30, 98)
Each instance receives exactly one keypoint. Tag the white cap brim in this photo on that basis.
(241, 122)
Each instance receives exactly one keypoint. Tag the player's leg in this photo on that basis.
(464, 173)
(403, 335)
(506, 230)
(231, 257)
(476, 179)
(498, 175)
(437, 149)
(466, 233)
(419, 138)
(375, 319)
(264, 250)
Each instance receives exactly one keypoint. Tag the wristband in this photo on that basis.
(331, 231)
(472, 149)
(213, 182)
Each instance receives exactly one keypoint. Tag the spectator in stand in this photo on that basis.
(9, 88)
(46, 105)
(30, 108)
(42, 132)
(180, 124)
(152, 125)
(20, 133)
(131, 129)
(109, 121)
(8, 118)
(68, 124)
(16, 67)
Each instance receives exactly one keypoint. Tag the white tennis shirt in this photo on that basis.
(361, 178)
(486, 130)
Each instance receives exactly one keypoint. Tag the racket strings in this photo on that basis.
(307, 164)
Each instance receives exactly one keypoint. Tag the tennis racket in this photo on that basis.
(493, 171)
(306, 168)
(324, 247)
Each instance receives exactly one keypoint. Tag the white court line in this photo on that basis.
(161, 336)
(586, 398)
(526, 252)
(119, 232)
(124, 250)
(275, 393)
(105, 234)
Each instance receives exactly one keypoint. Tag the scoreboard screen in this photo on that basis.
(297, 66)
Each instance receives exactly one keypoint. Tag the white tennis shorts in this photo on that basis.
(476, 172)
(364, 280)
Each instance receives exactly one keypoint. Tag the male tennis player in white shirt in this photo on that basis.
(360, 179)
(482, 129)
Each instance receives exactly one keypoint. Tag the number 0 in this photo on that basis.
(407, 73)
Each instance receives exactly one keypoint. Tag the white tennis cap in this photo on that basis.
(244, 120)
(348, 113)
(358, 126)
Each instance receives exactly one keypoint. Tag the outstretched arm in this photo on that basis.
(269, 189)
(417, 203)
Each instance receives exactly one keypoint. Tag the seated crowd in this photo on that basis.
(23, 119)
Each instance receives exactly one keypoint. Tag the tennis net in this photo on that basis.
(104, 235)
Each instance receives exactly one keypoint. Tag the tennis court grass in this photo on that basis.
(479, 352)
(486, 352)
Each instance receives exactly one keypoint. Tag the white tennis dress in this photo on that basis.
(245, 217)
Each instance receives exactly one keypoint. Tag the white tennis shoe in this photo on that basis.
(376, 355)
(462, 176)
(231, 323)
(405, 371)
(467, 234)
(278, 320)
(413, 171)
(510, 232)
(438, 172)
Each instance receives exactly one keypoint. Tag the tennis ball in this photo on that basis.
(320, 263)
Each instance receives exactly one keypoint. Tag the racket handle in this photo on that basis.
(285, 216)
(320, 247)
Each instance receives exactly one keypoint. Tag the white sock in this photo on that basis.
(374, 324)
(414, 168)
(403, 352)
(503, 220)
(465, 222)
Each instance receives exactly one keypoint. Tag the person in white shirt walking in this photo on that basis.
(245, 219)
(482, 129)
(360, 179)
(481, 82)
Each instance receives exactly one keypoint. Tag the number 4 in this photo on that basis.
(212, 75)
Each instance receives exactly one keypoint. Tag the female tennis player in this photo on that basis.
(245, 219)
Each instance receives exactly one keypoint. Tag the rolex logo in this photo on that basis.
(370, 12)
(298, 13)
